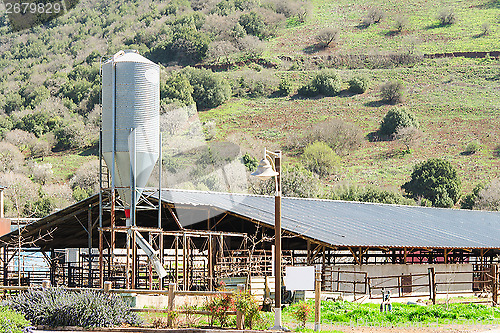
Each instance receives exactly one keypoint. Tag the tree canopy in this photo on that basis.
(435, 180)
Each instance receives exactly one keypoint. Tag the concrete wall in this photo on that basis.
(376, 273)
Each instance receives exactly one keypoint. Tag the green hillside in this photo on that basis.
(50, 89)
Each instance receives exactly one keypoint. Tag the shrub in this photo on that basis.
(285, 87)
(60, 307)
(321, 159)
(409, 136)
(250, 162)
(209, 89)
(342, 137)
(12, 321)
(253, 24)
(469, 201)
(435, 180)
(373, 16)
(218, 307)
(327, 36)
(392, 92)
(472, 147)
(485, 29)
(249, 307)
(358, 84)
(86, 177)
(400, 24)
(176, 88)
(11, 159)
(257, 84)
(370, 194)
(325, 82)
(71, 135)
(301, 312)
(488, 197)
(447, 16)
(397, 118)
(296, 181)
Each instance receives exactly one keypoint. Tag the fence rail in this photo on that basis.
(171, 293)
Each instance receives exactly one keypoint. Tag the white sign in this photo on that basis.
(299, 278)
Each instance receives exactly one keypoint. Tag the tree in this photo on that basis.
(469, 201)
(392, 92)
(488, 197)
(395, 119)
(408, 136)
(253, 24)
(209, 89)
(321, 159)
(435, 180)
(327, 36)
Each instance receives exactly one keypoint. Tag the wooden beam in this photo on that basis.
(175, 217)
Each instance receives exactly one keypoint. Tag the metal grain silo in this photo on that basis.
(130, 103)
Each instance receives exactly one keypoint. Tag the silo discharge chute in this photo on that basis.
(130, 130)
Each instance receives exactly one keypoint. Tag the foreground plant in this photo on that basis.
(60, 307)
(12, 321)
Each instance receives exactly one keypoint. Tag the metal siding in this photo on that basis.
(342, 223)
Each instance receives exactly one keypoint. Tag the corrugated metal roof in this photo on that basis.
(344, 224)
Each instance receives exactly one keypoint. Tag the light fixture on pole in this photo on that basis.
(270, 166)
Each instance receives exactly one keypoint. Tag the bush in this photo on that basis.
(296, 181)
(370, 194)
(249, 307)
(435, 180)
(301, 312)
(469, 201)
(488, 198)
(373, 16)
(250, 162)
(342, 137)
(397, 118)
(176, 88)
(472, 147)
(11, 159)
(358, 84)
(447, 17)
(327, 36)
(209, 89)
(12, 321)
(485, 29)
(86, 178)
(257, 84)
(71, 135)
(325, 82)
(321, 159)
(253, 24)
(285, 87)
(392, 92)
(59, 307)
(218, 307)
(400, 24)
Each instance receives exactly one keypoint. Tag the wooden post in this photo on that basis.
(494, 285)
(432, 284)
(107, 286)
(171, 303)
(240, 318)
(210, 263)
(101, 259)
(317, 300)
(45, 284)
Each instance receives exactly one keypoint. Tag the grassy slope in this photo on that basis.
(455, 100)
(452, 109)
(422, 26)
